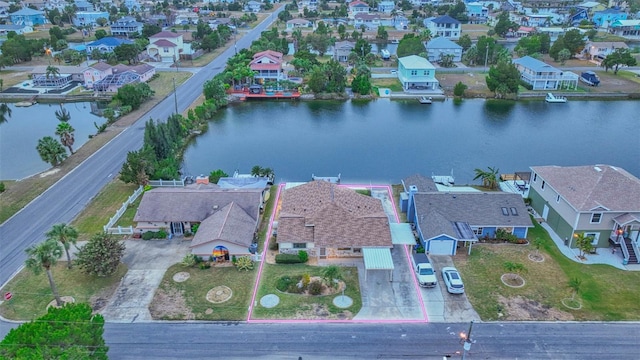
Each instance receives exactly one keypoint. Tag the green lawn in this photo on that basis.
(191, 294)
(296, 306)
(391, 83)
(266, 215)
(104, 206)
(163, 84)
(32, 293)
(607, 294)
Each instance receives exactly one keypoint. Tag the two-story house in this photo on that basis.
(127, 27)
(27, 16)
(444, 26)
(598, 50)
(477, 12)
(440, 46)
(629, 29)
(417, 73)
(267, 65)
(604, 18)
(165, 46)
(84, 18)
(342, 50)
(95, 73)
(369, 21)
(106, 44)
(386, 6)
(357, 7)
(542, 76)
(599, 201)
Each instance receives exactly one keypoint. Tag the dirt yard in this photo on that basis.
(523, 309)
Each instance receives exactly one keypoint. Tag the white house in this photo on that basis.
(444, 26)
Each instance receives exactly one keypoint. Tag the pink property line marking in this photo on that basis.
(266, 246)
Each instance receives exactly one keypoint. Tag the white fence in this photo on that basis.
(122, 230)
(167, 183)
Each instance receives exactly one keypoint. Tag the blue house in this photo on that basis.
(417, 73)
(607, 17)
(84, 18)
(386, 6)
(446, 221)
(28, 16)
(106, 44)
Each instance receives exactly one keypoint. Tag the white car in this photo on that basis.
(452, 280)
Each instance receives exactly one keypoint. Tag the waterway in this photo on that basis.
(20, 134)
(385, 141)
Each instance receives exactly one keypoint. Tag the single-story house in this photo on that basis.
(69, 73)
(227, 219)
(598, 50)
(327, 220)
(84, 18)
(599, 201)
(18, 29)
(446, 221)
(106, 44)
(111, 83)
(165, 46)
(629, 29)
(417, 73)
(253, 6)
(145, 71)
(298, 23)
(442, 46)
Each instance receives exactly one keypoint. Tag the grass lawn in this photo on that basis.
(296, 306)
(187, 300)
(103, 207)
(266, 215)
(32, 293)
(11, 78)
(397, 189)
(391, 83)
(606, 293)
(629, 76)
(163, 84)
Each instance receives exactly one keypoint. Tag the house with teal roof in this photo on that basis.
(628, 29)
(28, 16)
(605, 18)
(417, 73)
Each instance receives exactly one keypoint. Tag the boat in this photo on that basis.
(446, 180)
(425, 100)
(385, 54)
(27, 103)
(555, 99)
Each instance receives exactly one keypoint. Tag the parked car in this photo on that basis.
(452, 280)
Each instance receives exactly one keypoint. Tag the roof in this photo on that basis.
(592, 186)
(610, 11)
(589, 4)
(13, 27)
(367, 16)
(164, 43)
(110, 41)
(329, 215)
(27, 12)
(423, 183)
(42, 69)
(270, 53)
(101, 66)
(377, 258)
(444, 19)
(345, 45)
(402, 234)
(358, 4)
(253, 182)
(415, 62)
(441, 42)
(535, 64)
(165, 34)
(194, 203)
(298, 21)
(626, 22)
(439, 212)
(608, 44)
(231, 223)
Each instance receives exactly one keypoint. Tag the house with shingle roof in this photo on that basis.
(600, 201)
(542, 76)
(165, 46)
(444, 26)
(28, 16)
(440, 46)
(598, 50)
(267, 65)
(446, 221)
(329, 220)
(226, 219)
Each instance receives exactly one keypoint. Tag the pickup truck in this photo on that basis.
(424, 270)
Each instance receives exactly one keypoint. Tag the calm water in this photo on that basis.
(384, 141)
(19, 136)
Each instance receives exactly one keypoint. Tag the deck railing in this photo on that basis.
(625, 251)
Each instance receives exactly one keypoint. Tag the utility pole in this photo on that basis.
(467, 341)
(486, 57)
(175, 95)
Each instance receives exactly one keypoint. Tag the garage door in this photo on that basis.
(440, 247)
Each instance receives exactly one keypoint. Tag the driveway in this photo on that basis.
(147, 262)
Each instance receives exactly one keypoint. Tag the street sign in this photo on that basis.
(8, 296)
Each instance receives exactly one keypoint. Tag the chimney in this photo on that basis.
(202, 179)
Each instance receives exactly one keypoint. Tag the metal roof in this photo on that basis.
(401, 234)
(377, 258)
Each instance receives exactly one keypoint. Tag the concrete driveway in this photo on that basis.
(147, 262)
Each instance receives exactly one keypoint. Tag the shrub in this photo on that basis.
(211, 259)
(303, 256)
(306, 279)
(194, 228)
(315, 287)
(234, 259)
(244, 263)
(459, 88)
(273, 244)
(2, 187)
(526, 85)
(287, 259)
(162, 234)
(283, 283)
(189, 260)
(204, 265)
(148, 235)
(154, 235)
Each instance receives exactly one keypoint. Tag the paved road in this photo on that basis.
(64, 200)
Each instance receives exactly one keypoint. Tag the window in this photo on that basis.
(542, 187)
(299, 245)
(165, 50)
(558, 198)
(594, 236)
(514, 211)
(596, 217)
(414, 72)
(425, 72)
(535, 177)
(477, 231)
(505, 211)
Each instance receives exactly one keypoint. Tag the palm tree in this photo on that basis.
(425, 35)
(489, 178)
(5, 113)
(256, 170)
(44, 256)
(51, 151)
(63, 115)
(65, 235)
(52, 71)
(65, 132)
(575, 284)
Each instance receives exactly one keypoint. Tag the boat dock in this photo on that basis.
(331, 179)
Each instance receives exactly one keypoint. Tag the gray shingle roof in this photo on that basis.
(591, 186)
(231, 224)
(535, 65)
(194, 203)
(442, 43)
(437, 211)
(423, 183)
(445, 19)
(332, 216)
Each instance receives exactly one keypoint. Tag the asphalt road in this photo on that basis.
(63, 201)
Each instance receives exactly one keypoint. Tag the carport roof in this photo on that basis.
(401, 234)
(377, 258)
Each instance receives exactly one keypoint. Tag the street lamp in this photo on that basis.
(466, 341)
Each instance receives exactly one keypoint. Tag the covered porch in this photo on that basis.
(626, 235)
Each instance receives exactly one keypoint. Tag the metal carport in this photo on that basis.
(377, 258)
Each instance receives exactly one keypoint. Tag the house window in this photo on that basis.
(594, 236)
(344, 249)
(477, 231)
(542, 187)
(357, 250)
(596, 217)
(535, 177)
(414, 72)
(558, 198)
(299, 245)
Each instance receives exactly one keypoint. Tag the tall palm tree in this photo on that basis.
(425, 35)
(44, 256)
(65, 235)
(52, 71)
(5, 113)
(489, 178)
(62, 114)
(51, 151)
(65, 132)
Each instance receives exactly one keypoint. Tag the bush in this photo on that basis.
(315, 287)
(283, 283)
(189, 260)
(303, 256)
(204, 265)
(288, 259)
(234, 259)
(306, 279)
(459, 88)
(2, 187)
(244, 263)
(273, 244)
(526, 85)
(154, 235)
(194, 228)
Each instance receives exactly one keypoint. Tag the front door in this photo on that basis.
(177, 228)
(545, 212)
(323, 253)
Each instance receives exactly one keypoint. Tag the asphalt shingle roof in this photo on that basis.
(535, 64)
(442, 43)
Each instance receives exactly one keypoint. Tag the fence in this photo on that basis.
(167, 183)
(122, 230)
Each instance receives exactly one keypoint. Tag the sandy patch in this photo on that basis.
(170, 305)
(181, 276)
(50, 172)
(65, 300)
(219, 294)
(519, 309)
(320, 312)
